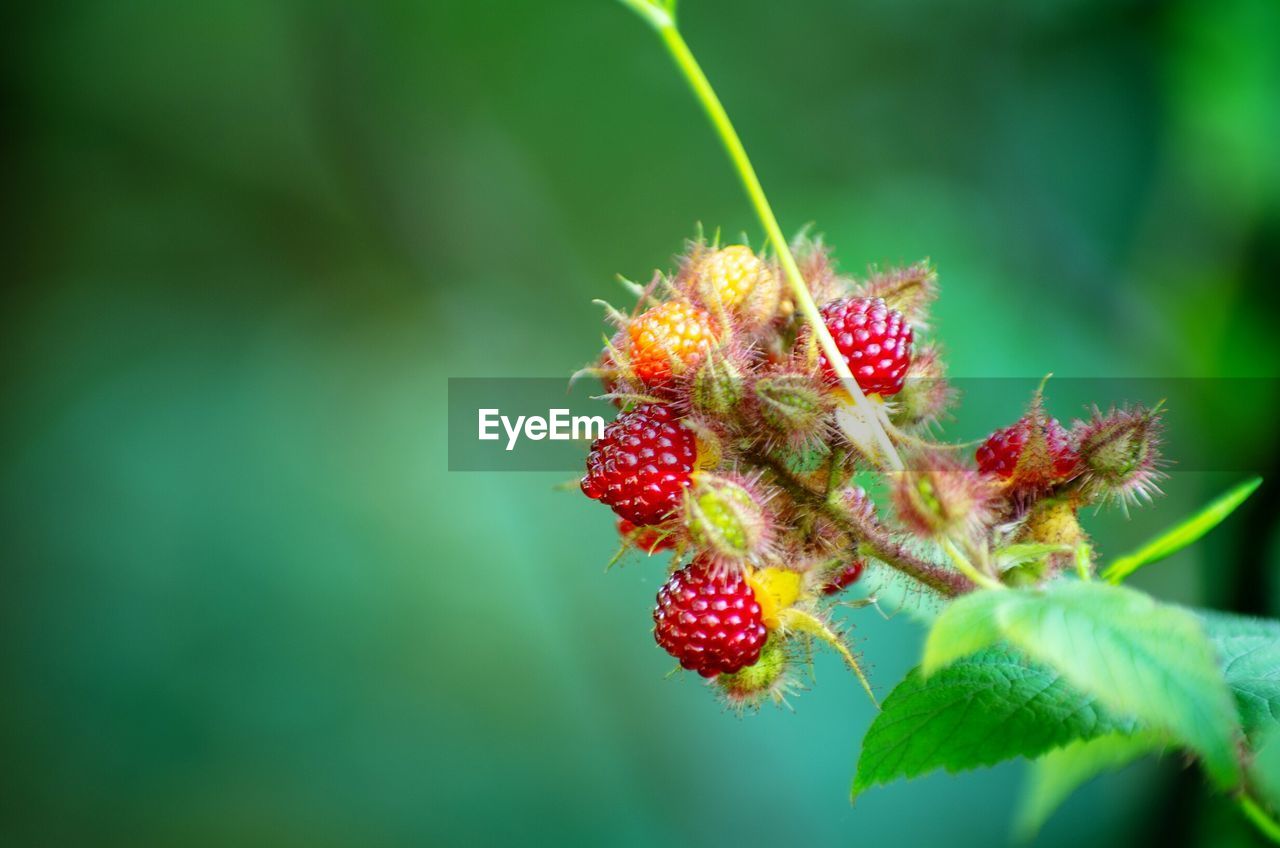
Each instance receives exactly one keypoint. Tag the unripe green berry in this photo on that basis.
(725, 519)
(793, 405)
(938, 497)
(766, 678)
(717, 386)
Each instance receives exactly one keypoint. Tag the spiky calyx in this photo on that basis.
(717, 385)
(1120, 455)
(1030, 455)
(737, 281)
(818, 268)
(911, 291)
(667, 341)
(938, 497)
(926, 395)
(795, 406)
(765, 679)
(642, 464)
(874, 340)
(727, 520)
(709, 620)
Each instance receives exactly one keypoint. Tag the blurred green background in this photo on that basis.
(244, 602)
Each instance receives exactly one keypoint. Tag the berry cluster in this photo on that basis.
(737, 444)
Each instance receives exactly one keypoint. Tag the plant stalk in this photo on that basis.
(873, 541)
(662, 19)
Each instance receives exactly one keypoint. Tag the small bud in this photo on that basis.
(1120, 455)
(717, 386)
(938, 497)
(727, 520)
(926, 395)
(767, 679)
(795, 406)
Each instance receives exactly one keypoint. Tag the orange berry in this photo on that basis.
(669, 339)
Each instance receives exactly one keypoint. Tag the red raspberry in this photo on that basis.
(648, 539)
(641, 465)
(711, 624)
(875, 341)
(999, 454)
(843, 578)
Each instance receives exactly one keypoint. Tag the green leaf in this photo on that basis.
(1056, 775)
(1182, 535)
(1249, 652)
(966, 626)
(990, 707)
(1139, 658)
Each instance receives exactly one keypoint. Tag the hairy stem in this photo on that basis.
(872, 540)
(661, 17)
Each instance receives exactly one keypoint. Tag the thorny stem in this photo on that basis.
(661, 16)
(873, 541)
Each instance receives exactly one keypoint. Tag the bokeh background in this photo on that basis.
(244, 601)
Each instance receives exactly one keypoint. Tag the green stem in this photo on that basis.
(1084, 561)
(1260, 818)
(662, 19)
(967, 568)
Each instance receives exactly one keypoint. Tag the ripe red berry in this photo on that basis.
(710, 621)
(641, 465)
(844, 577)
(648, 539)
(998, 456)
(875, 341)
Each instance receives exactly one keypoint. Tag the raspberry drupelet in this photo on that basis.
(875, 341)
(709, 620)
(642, 464)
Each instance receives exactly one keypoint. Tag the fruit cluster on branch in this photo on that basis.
(737, 450)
